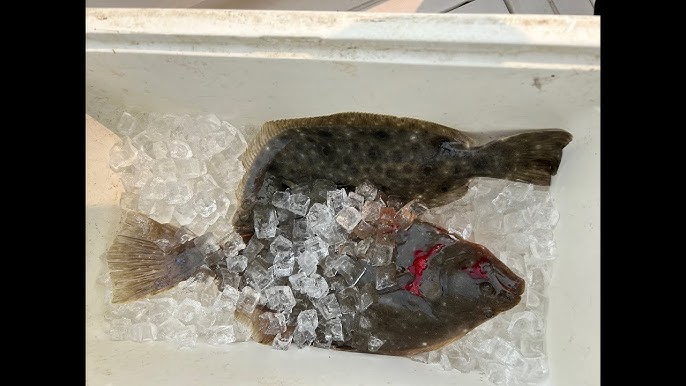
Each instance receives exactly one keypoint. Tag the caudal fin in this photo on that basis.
(147, 257)
(531, 157)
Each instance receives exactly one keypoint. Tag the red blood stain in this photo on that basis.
(418, 266)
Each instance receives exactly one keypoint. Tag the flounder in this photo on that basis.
(404, 157)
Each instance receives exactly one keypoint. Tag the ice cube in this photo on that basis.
(129, 201)
(221, 335)
(236, 263)
(284, 217)
(545, 217)
(328, 306)
(212, 204)
(296, 280)
(189, 168)
(368, 296)
(258, 276)
(265, 221)
(253, 248)
(226, 170)
(314, 286)
(303, 337)
(374, 343)
(329, 264)
(356, 200)
(133, 178)
(371, 211)
(408, 213)
(334, 330)
(142, 332)
(337, 283)
(317, 247)
(362, 247)
(272, 323)
(281, 247)
(280, 298)
(155, 189)
(232, 244)
(367, 190)
(348, 299)
(165, 169)
(320, 218)
(122, 155)
(307, 262)
(526, 325)
(161, 212)
(247, 301)
(184, 214)
(127, 125)
(236, 141)
(282, 342)
(351, 270)
(308, 320)
(178, 192)
(300, 229)
(283, 266)
(157, 150)
(212, 143)
(380, 254)
(182, 336)
(281, 200)
(189, 311)
(337, 200)
(179, 149)
(206, 243)
(348, 218)
(364, 230)
(385, 276)
(298, 204)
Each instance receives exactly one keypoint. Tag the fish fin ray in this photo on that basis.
(138, 267)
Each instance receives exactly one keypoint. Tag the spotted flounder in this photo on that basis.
(446, 287)
(404, 157)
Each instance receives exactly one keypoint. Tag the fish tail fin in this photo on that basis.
(531, 157)
(147, 257)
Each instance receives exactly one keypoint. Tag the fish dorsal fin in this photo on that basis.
(271, 129)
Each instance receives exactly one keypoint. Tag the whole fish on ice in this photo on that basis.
(404, 157)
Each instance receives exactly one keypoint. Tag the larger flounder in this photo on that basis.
(448, 287)
(405, 157)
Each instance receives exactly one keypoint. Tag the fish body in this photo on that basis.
(404, 157)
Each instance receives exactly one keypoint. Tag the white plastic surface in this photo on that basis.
(478, 73)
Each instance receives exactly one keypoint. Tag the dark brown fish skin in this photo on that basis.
(405, 157)
(463, 285)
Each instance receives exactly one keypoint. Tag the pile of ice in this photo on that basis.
(179, 169)
(319, 254)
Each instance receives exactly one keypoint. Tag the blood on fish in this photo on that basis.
(418, 266)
